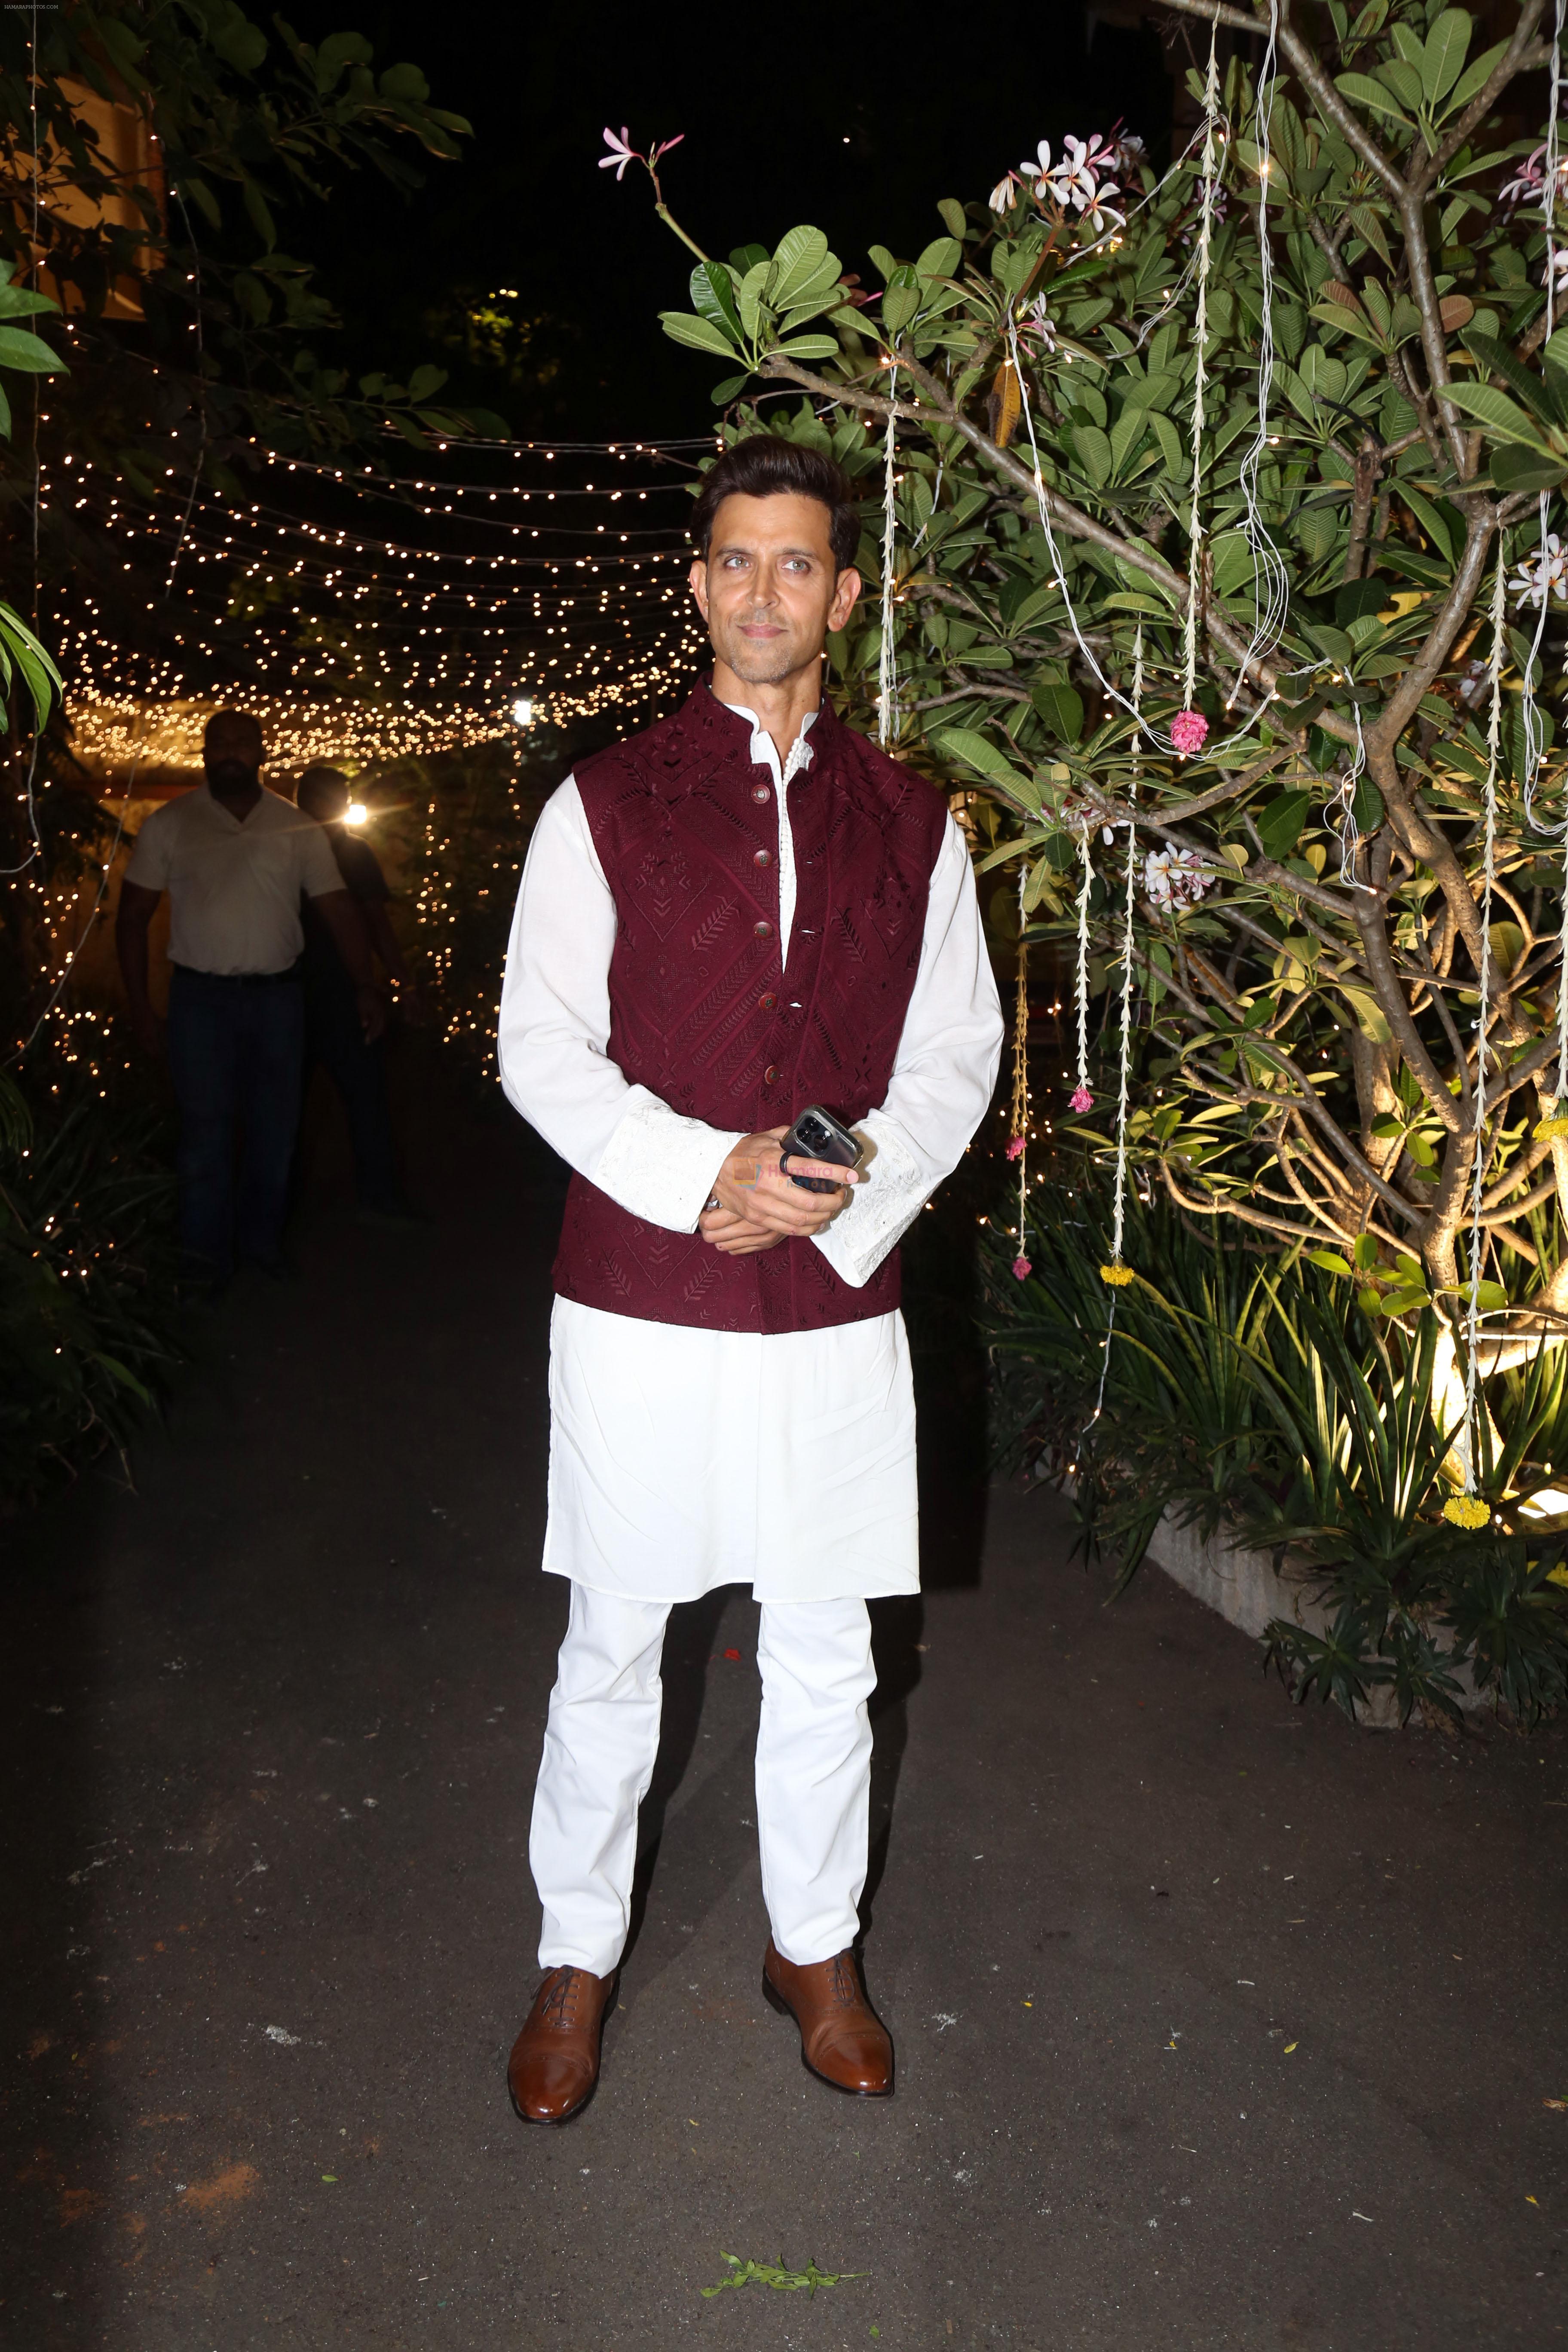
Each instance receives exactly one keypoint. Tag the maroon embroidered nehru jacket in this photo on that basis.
(704, 1013)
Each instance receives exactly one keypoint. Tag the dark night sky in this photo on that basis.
(858, 121)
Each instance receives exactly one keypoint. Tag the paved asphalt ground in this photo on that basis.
(1219, 2024)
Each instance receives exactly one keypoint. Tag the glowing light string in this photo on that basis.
(1534, 732)
(1469, 1510)
(1208, 172)
(1019, 1147)
(887, 666)
(1270, 584)
(1117, 1274)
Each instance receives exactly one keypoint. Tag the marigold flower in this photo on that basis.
(1465, 1511)
(1117, 1275)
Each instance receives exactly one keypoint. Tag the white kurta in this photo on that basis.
(680, 1458)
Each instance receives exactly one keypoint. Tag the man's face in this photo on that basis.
(326, 798)
(770, 590)
(231, 754)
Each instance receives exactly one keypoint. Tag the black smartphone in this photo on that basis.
(816, 1135)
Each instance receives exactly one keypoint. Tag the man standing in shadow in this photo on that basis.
(334, 1034)
(236, 860)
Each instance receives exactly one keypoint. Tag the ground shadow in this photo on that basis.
(897, 1627)
(688, 1650)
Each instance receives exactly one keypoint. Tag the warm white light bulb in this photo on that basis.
(355, 813)
(523, 712)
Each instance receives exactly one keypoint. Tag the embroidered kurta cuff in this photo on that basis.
(661, 1166)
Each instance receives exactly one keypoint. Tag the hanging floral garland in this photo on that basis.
(1190, 728)
(1469, 1510)
(887, 666)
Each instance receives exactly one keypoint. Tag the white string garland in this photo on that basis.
(1469, 1510)
(1270, 582)
(1208, 174)
(887, 668)
(1019, 1146)
(1082, 1095)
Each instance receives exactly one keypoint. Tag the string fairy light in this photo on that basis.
(1190, 728)
(1535, 731)
(1118, 1274)
(1469, 1510)
(1018, 1143)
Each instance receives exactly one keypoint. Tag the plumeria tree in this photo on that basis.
(1220, 567)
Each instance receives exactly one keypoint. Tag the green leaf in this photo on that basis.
(338, 51)
(1363, 91)
(978, 751)
(1502, 417)
(1476, 75)
(1365, 1252)
(1371, 1018)
(426, 382)
(713, 297)
(953, 215)
(1367, 805)
(1526, 469)
(238, 42)
(941, 257)
(406, 84)
(722, 393)
(1330, 1261)
(1061, 707)
(1399, 76)
(1446, 44)
(809, 346)
(701, 334)
(1280, 825)
(29, 353)
(800, 254)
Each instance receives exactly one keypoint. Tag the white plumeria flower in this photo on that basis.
(1099, 212)
(1075, 181)
(1037, 320)
(1038, 167)
(1541, 576)
(1555, 273)
(1175, 876)
(1004, 194)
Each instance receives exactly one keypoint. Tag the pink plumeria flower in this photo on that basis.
(1189, 731)
(620, 153)
(1081, 1099)
(1021, 1268)
(1015, 1148)
(1037, 320)
(664, 147)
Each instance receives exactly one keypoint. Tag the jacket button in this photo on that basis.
(761, 792)
(762, 930)
(761, 857)
(769, 1076)
(767, 1003)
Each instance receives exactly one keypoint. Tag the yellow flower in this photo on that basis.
(1465, 1511)
(1117, 1276)
(1547, 1128)
(1557, 1576)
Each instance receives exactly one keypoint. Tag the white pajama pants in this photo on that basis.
(814, 1774)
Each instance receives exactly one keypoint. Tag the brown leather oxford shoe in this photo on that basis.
(842, 2041)
(554, 2065)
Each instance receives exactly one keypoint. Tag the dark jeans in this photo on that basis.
(334, 1038)
(236, 1055)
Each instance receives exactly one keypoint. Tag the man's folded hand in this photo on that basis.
(756, 1205)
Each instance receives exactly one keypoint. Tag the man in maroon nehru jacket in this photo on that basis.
(745, 912)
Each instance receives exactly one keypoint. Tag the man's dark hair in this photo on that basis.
(764, 467)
